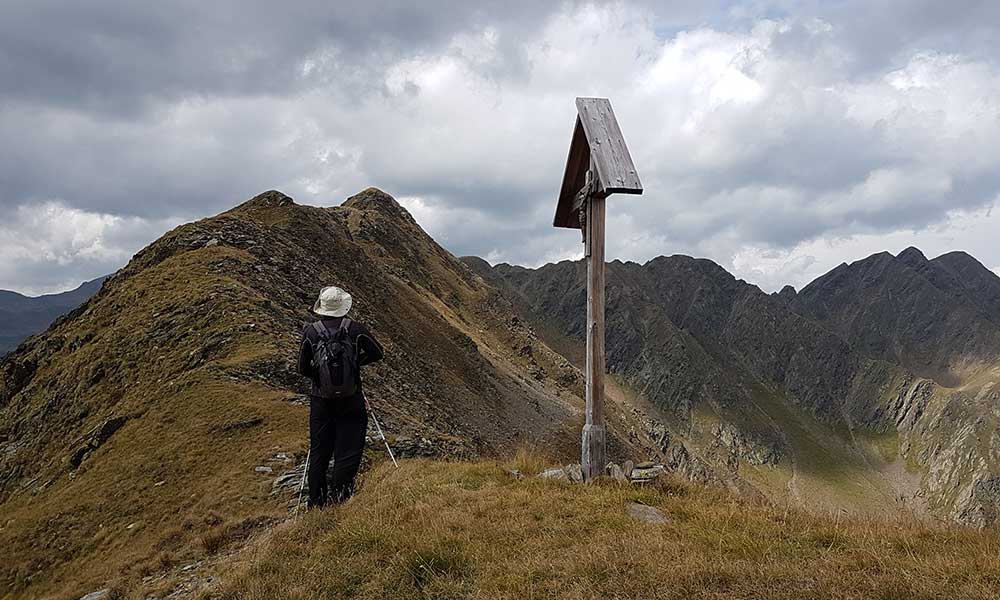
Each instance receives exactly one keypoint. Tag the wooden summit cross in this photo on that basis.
(598, 165)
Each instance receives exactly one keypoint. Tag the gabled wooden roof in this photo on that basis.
(596, 134)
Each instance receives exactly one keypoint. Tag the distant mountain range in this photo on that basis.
(872, 386)
(21, 316)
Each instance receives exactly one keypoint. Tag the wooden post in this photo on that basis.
(597, 166)
(594, 455)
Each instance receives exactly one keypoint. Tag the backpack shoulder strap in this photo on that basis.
(319, 327)
(345, 324)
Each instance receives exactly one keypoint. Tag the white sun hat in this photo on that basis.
(332, 302)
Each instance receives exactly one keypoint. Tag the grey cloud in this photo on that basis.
(176, 110)
(115, 55)
(876, 33)
(92, 119)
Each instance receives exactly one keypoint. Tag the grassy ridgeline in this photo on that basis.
(470, 530)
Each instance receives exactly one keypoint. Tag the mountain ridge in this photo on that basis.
(166, 408)
(906, 309)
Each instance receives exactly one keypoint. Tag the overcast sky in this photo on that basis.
(776, 138)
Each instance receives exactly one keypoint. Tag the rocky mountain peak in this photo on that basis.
(965, 266)
(787, 293)
(878, 257)
(374, 199)
(475, 263)
(970, 277)
(266, 200)
(699, 267)
(910, 311)
(957, 257)
(912, 256)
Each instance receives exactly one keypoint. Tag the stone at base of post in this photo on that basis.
(595, 456)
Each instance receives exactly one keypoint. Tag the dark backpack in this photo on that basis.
(335, 361)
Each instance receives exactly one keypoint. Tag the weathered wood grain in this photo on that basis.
(615, 172)
(597, 144)
(594, 455)
(598, 165)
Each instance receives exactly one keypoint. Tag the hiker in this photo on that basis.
(332, 351)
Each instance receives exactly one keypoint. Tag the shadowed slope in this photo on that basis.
(911, 311)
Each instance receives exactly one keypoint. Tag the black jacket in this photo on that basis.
(369, 350)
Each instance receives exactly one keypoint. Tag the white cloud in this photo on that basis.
(971, 231)
(58, 247)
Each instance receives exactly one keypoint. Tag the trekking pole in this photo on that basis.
(380, 434)
(302, 484)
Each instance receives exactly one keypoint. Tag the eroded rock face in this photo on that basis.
(743, 447)
(981, 504)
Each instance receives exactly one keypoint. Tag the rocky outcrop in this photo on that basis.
(95, 438)
(740, 446)
(981, 504)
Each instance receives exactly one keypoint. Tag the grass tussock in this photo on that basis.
(470, 530)
(529, 461)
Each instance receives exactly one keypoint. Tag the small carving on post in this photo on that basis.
(598, 165)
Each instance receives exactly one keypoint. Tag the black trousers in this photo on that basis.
(336, 430)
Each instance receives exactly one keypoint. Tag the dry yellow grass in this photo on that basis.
(470, 530)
